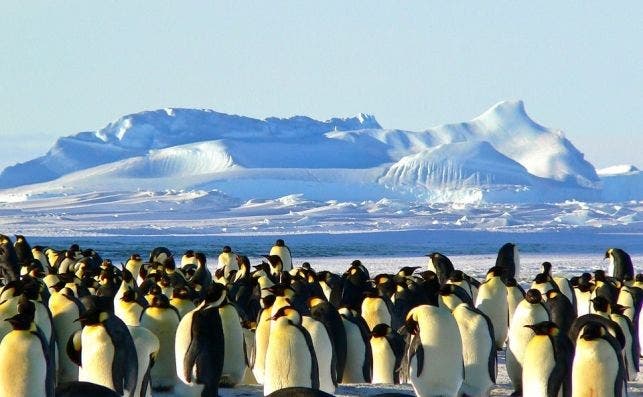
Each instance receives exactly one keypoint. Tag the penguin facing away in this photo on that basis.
(509, 260)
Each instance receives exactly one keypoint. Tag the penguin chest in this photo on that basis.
(234, 359)
(23, 368)
(383, 361)
(355, 354)
(97, 356)
(288, 359)
(375, 311)
(538, 364)
(594, 369)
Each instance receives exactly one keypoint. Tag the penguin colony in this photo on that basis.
(77, 325)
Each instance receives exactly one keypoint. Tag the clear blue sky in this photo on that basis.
(74, 66)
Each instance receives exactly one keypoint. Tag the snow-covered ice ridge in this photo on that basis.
(501, 156)
(188, 171)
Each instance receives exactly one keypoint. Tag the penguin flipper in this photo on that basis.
(125, 362)
(74, 349)
(416, 350)
(50, 380)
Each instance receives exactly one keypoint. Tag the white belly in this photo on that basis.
(97, 356)
(163, 322)
(23, 368)
(288, 360)
(594, 369)
(538, 363)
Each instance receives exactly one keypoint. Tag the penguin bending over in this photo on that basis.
(620, 266)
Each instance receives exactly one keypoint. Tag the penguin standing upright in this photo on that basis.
(478, 350)
(441, 265)
(547, 362)
(227, 261)
(359, 356)
(199, 349)
(147, 348)
(325, 353)
(632, 349)
(234, 364)
(509, 260)
(65, 309)
(434, 352)
(9, 265)
(530, 311)
(620, 266)
(23, 249)
(598, 368)
(162, 319)
(387, 347)
(104, 350)
(329, 316)
(561, 310)
(376, 309)
(26, 367)
(281, 249)
(492, 301)
(290, 359)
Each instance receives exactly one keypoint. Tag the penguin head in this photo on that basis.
(200, 259)
(545, 328)
(601, 304)
(619, 309)
(381, 330)
(511, 282)
(599, 275)
(541, 278)
(160, 301)
(552, 294)
(268, 301)
(21, 321)
(93, 316)
(593, 330)
(226, 249)
(280, 243)
(546, 268)
(533, 296)
(407, 270)
(608, 253)
(275, 262)
(289, 312)
(129, 296)
(282, 290)
(306, 265)
(314, 301)
(495, 271)
(180, 293)
(215, 294)
(243, 262)
(457, 276)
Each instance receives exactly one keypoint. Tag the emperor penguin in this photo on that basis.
(376, 309)
(26, 367)
(359, 356)
(492, 301)
(387, 347)
(323, 311)
(509, 260)
(199, 348)
(440, 265)
(162, 319)
(227, 261)
(530, 311)
(478, 350)
(291, 360)
(325, 352)
(147, 348)
(38, 253)
(9, 265)
(583, 292)
(281, 249)
(188, 259)
(435, 352)
(620, 265)
(104, 350)
(128, 308)
(159, 255)
(632, 349)
(65, 309)
(598, 368)
(561, 310)
(234, 364)
(547, 363)
(181, 301)
(23, 249)
(515, 295)
(262, 335)
(134, 264)
(458, 278)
